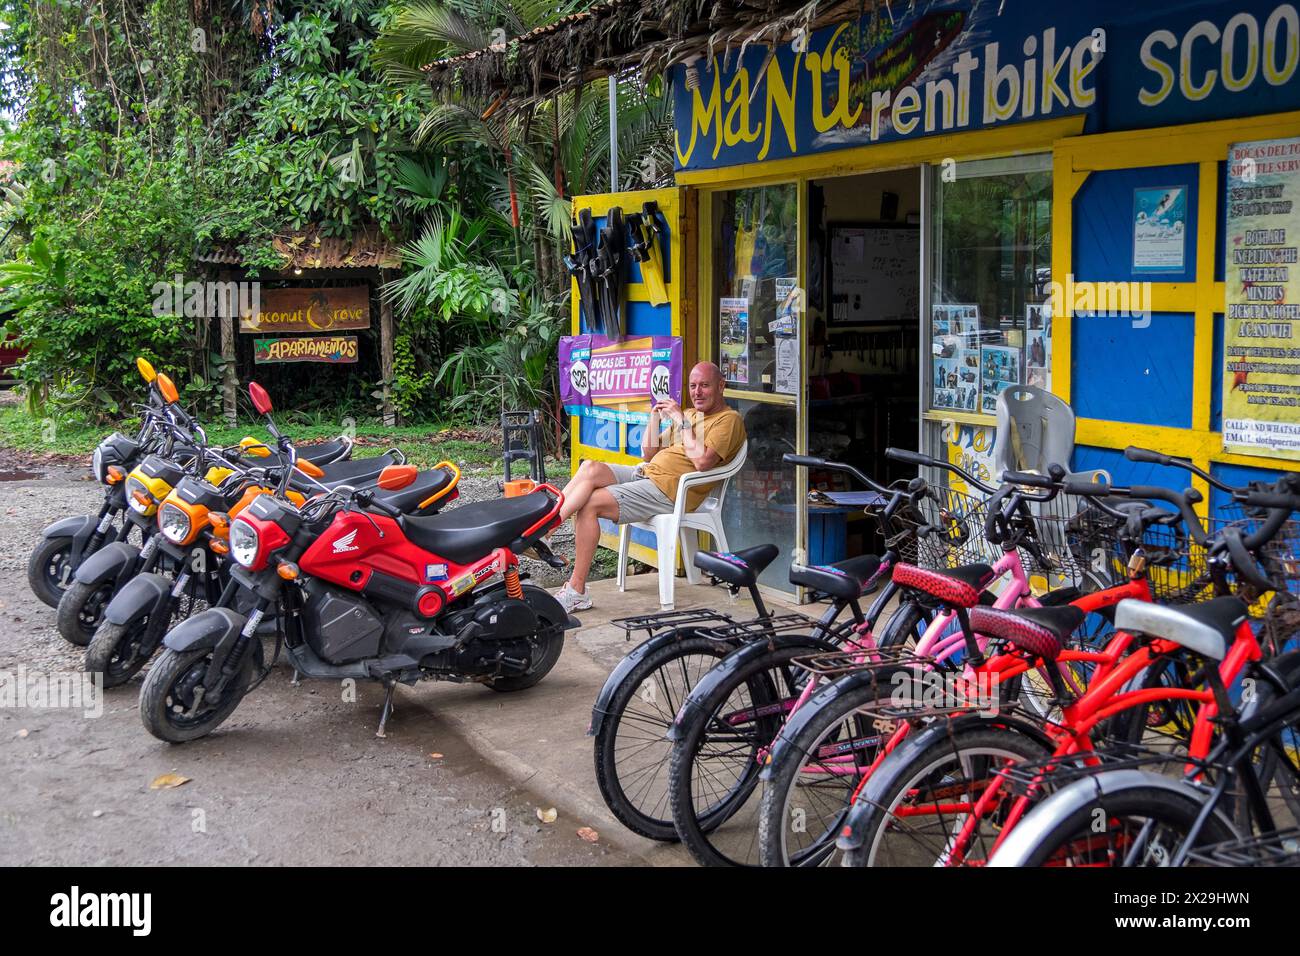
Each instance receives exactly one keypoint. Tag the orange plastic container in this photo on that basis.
(520, 486)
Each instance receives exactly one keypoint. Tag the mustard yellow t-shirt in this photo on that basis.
(723, 431)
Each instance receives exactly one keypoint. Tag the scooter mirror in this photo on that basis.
(167, 388)
(397, 477)
(146, 370)
(308, 469)
(254, 448)
(261, 400)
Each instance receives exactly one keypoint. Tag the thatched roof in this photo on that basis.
(307, 249)
(613, 36)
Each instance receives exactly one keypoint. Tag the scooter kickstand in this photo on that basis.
(387, 711)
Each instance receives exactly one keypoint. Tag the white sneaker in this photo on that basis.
(572, 600)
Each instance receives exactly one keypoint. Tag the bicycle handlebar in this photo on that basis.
(810, 461)
(925, 461)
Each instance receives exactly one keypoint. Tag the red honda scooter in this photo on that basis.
(365, 592)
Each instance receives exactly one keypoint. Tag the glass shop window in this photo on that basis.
(990, 287)
(756, 268)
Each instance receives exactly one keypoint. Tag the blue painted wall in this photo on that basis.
(1127, 374)
(1103, 224)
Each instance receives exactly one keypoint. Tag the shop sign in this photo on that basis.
(948, 66)
(309, 310)
(332, 349)
(619, 381)
(1261, 348)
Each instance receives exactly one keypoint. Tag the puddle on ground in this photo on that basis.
(20, 475)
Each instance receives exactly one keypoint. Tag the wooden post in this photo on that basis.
(386, 359)
(229, 377)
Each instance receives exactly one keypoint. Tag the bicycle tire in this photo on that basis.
(909, 774)
(646, 812)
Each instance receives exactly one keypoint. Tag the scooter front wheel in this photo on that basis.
(49, 569)
(170, 691)
(81, 611)
(116, 651)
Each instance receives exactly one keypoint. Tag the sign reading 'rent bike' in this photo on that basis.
(309, 310)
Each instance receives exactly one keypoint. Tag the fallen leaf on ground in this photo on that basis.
(547, 816)
(435, 756)
(588, 834)
(168, 781)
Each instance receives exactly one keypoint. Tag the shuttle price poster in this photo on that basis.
(1261, 379)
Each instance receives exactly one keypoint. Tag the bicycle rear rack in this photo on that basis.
(1038, 778)
(1273, 849)
(662, 620)
(760, 627)
(838, 663)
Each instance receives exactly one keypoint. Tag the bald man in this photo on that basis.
(707, 436)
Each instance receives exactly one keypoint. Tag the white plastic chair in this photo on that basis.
(667, 528)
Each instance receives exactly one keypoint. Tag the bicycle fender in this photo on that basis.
(108, 563)
(741, 657)
(881, 676)
(1039, 821)
(600, 709)
(205, 630)
(144, 595)
(851, 835)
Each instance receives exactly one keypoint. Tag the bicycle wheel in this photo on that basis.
(632, 749)
(811, 782)
(1277, 761)
(1139, 824)
(715, 763)
(922, 805)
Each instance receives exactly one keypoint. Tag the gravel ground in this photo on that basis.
(296, 776)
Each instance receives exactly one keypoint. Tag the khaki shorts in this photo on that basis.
(638, 499)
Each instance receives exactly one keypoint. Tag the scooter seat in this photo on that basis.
(426, 484)
(844, 580)
(958, 587)
(738, 568)
(465, 534)
(355, 471)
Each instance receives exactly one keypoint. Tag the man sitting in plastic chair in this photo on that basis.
(705, 437)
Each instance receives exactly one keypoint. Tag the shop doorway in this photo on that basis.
(864, 365)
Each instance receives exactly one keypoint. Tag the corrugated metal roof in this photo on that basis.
(307, 249)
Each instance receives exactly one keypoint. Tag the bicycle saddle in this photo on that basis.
(845, 580)
(1042, 631)
(959, 587)
(1206, 628)
(738, 568)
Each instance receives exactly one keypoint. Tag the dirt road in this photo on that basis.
(296, 776)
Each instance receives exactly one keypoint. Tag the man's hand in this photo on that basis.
(670, 409)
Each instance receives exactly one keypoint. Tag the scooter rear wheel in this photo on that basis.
(549, 641)
(169, 690)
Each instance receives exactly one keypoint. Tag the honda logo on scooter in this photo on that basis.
(344, 544)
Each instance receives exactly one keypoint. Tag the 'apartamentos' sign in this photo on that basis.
(333, 349)
(309, 310)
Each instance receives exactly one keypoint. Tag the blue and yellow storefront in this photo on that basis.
(880, 223)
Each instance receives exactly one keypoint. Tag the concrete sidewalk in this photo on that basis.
(538, 737)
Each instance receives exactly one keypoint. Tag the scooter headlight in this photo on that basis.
(97, 465)
(139, 498)
(243, 543)
(174, 522)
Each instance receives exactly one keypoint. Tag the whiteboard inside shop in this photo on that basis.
(875, 274)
